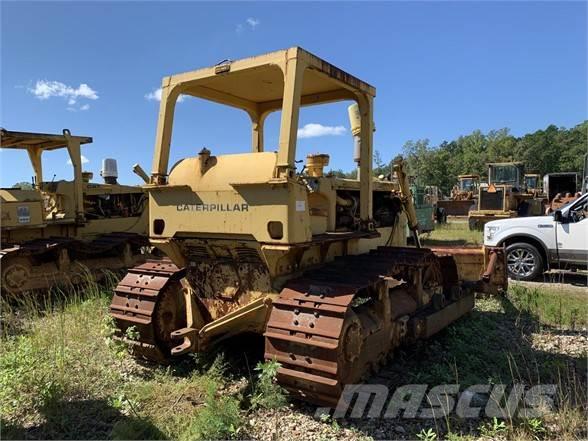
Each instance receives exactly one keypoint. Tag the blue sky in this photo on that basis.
(440, 69)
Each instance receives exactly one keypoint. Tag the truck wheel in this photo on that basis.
(523, 261)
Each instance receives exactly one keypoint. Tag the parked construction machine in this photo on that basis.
(505, 196)
(533, 184)
(307, 259)
(423, 204)
(564, 187)
(57, 231)
(560, 188)
(463, 196)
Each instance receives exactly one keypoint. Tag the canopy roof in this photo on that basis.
(37, 141)
(258, 82)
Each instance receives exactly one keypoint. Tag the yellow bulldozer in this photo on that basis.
(315, 263)
(55, 232)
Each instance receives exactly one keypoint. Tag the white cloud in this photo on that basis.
(253, 22)
(84, 160)
(44, 90)
(313, 130)
(75, 109)
(156, 96)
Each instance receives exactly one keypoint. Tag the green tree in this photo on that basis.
(544, 151)
(23, 185)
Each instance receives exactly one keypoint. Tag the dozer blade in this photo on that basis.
(482, 267)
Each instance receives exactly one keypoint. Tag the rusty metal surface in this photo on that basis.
(337, 324)
(485, 267)
(146, 299)
(437, 321)
(42, 263)
(559, 202)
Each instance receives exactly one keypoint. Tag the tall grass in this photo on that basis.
(561, 308)
(53, 350)
(63, 376)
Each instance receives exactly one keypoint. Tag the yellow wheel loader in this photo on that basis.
(463, 196)
(505, 196)
(315, 263)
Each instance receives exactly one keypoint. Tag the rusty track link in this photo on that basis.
(28, 254)
(135, 303)
(309, 327)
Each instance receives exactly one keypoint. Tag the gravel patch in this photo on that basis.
(570, 343)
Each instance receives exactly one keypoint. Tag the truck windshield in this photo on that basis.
(531, 181)
(504, 175)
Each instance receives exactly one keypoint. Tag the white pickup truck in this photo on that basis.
(536, 244)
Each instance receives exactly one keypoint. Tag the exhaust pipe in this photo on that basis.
(138, 170)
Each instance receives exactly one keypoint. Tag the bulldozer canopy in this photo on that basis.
(258, 82)
(38, 141)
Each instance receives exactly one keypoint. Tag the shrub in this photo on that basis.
(220, 418)
(266, 392)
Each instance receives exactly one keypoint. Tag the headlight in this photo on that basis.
(491, 231)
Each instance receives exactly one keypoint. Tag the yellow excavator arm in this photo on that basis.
(407, 199)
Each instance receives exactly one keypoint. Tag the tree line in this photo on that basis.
(554, 149)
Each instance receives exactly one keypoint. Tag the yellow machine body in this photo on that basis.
(56, 230)
(248, 234)
(505, 196)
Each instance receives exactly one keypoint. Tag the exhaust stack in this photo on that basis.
(138, 170)
(355, 122)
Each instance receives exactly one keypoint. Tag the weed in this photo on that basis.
(218, 369)
(536, 427)
(108, 332)
(219, 419)
(494, 428)
(266, 392)
(427, 435)
(452, 436)
(126, 405)
(324, 417)
(132, 333)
